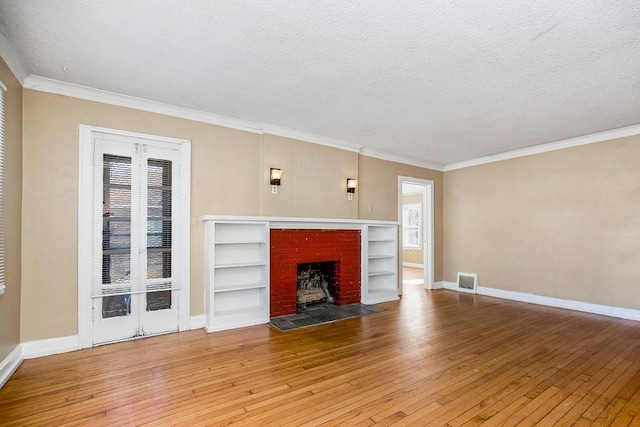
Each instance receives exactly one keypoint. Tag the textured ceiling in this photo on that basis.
(440, 81)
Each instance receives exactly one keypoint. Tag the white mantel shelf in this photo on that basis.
(302, 223)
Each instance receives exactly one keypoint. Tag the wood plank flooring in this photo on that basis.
(434, 358)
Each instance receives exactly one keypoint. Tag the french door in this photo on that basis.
(136, 238)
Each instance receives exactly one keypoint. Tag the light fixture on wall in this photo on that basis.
(275, 175)
(352, 183)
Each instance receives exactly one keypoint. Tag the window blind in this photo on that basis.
(2, 252)
(135, 230)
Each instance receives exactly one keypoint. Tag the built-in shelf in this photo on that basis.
(239, 242)
(240, 287)
(381, 273)
(380, 263)
(239, 264)
(237, 285)
(237, 311)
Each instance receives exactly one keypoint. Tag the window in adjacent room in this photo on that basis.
(411, 225)
(3, 89)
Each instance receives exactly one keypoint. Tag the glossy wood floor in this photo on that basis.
(435, 358)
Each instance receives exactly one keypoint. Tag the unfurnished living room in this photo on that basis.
(336, 213)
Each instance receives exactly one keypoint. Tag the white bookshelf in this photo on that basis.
(237, 274)
(379, 263)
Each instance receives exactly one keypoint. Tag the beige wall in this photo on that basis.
(229, 175)
(563, 224)
(10, 300)
(378, 196)
(414, 256)
(225, 171)
(314, 180)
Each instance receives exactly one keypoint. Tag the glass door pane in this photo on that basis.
(159, 237)
(116, 236)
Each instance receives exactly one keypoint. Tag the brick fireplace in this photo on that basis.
(290, 247)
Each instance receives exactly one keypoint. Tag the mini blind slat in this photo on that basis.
(2, 222)
(133, 205)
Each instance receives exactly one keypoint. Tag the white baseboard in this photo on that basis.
(605, 310)
(10, 363)
(196, 322)
(452, 286)
(412, 264)
(438, 285)
(47, 347)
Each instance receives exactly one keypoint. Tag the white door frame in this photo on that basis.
(85, 227)
(428, 260)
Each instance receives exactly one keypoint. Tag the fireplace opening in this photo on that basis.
(316, 283)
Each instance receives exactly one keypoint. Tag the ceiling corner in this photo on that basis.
(12, 59)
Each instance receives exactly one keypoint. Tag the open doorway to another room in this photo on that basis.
(415, 214)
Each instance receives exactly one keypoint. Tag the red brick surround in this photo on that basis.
(292, 247)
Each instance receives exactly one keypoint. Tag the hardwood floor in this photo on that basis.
(435, 358)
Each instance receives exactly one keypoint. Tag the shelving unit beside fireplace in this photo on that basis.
(237, 284)
(251, 264)
(380, 264)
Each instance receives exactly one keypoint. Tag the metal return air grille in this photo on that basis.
(467, 282)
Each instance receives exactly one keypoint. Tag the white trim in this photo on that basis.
(83, 92)
(85, 227)
(12, 59)
(2, 289)
(196, 322)
(285, 221)
(10, 363)
(309, 137)
(551, 146)
(412, 264)
(398, 158)
(605, 310)
(586, 307)
(47, 347)
(2, 86)
(184, 305)
(428, 233)
(43, 84)
(85, 232)
(450, 286)
(439, 285)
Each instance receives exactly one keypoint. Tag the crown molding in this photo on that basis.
(43, 84)
(551, 146)
(310, 137)
(398, 158)
(83, 92)
(12, 59)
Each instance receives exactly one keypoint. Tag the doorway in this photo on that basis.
(133, 247)
(415, 214)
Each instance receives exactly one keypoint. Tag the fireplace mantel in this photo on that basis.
(238, 260)
(302, 223)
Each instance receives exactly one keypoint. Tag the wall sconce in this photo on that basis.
(352, 183)
(275, 176)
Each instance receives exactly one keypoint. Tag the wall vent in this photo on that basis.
(467, 282)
